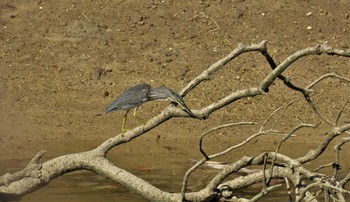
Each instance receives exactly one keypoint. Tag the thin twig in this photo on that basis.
(216, 129)
(284, 110)
(324, 77)
(217, 26)
(341, 112)
(310, 101)
(314, 108)
(206, 157)
(322, 166)
(324, 185)
(201, 162)
(265, 192)
(268, 118)
(314, 153)
(86, 16)
(337, 148)
(290, 199)
(300, 126)
(264, 181)
(345, 180)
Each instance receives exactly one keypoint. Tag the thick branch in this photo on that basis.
(95, 160)
(222, 62)
(31, 170)
(320, 49)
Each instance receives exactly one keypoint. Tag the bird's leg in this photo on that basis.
(139, 119)
(124, 121)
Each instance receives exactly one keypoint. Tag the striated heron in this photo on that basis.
(141, 93)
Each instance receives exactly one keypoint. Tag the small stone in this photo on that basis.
(309, 14)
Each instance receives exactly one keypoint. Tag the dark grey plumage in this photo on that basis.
(131, 98)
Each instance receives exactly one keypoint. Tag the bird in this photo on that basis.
(139, 94)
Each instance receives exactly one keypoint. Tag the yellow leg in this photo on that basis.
(124, 121)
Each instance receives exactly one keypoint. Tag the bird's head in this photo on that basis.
(166, 93)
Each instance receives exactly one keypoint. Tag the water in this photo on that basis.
(87, 186)
(158, 163)
(82, 186)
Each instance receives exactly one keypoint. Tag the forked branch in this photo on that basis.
(36, 175)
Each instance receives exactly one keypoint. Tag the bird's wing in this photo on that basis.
(131, 98)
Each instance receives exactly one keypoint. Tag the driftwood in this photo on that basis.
(308, 184)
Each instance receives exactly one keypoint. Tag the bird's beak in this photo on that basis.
(186, 108)
(179, 99)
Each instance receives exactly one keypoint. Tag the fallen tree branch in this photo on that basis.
(32, 170)
(36, 175)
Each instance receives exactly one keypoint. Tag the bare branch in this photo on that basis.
(218, 128)
(265, 191)
(325, 186)
(329, 75)
(311, 103)
(285, 80)
(337, 148)
(288, 189)
(201, 162)
(33, 170)
(312, 154)
(222, 62)
(284, 110)
(268, 118)
(341, 112)
(183, 190)
(320, 49)
(345, 180)
(283, 140)
(322, 166)
(314, 108)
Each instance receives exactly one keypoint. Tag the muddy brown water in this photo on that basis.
(87, 186)
(162, 165)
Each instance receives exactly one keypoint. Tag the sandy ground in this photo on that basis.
(63, 62)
